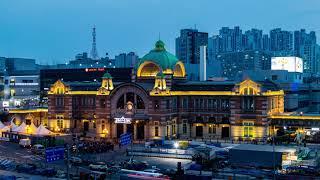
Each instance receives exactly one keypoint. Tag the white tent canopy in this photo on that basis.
(1, 125)
(41, 130)
(32, 128)
(13, 126)
(6, 128)
(21, 129)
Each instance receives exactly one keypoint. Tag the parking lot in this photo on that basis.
(13, 152)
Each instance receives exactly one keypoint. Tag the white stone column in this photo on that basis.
(114, 130)
(124, 128)
(135, 131)
(146, 129)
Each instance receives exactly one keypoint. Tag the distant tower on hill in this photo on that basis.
(94, 52)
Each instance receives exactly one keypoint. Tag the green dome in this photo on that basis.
(107, 75)
(160, 57)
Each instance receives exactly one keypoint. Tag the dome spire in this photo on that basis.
(159, 46)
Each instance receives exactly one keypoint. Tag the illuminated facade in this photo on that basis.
(159, 102)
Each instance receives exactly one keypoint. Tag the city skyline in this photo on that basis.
(35, 23)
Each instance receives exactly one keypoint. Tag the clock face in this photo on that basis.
(129, 106)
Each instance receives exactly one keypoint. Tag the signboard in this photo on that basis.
(122, 120)
(125, 139)
(291, 64)
(4, 139)
(94, 69)
(5, 104)
(54, 154)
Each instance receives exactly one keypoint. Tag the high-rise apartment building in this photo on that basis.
(305, 45)
(233, 63)
(266, 42)
(188, 45)
(231, 39)
(214, 47)
(124, 60)
(281, 42)
(253, 39)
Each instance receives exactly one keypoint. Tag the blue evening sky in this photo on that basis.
(53, 31)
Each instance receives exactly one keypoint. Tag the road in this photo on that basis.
(13, 151)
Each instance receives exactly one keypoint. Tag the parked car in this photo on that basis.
(152, 170)
(75, 160)
(25, 143)
(61, 174)
(50, 172)
(26, 168)
(98, 166)
(38, 149)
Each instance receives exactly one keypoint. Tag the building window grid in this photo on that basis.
(60, 121)
(248, 129)
(212, 129)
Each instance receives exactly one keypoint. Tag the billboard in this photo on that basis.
(291, 64)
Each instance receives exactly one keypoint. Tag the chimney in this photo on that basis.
(203, 63)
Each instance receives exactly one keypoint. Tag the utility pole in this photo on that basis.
(68, 161)
(274, 153)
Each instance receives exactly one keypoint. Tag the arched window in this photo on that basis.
(140, 103)
(120, 103)
(130, 97)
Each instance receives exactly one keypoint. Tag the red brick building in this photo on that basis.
(157, 102)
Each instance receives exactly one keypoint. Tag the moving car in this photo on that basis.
(75, 160)
(38, 149)
(99, 166)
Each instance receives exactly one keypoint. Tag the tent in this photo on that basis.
(32, 128)
(5, 129)
(1, 125)
(41, 130)
(13, 126)
(21, 129)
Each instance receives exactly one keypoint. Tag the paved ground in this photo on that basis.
(13, 151)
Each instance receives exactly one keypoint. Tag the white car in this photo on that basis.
(98, 167)
(151, 170)
(38, 149)
(26, 143)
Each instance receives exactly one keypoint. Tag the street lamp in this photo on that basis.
(105, 132)
(176, 145)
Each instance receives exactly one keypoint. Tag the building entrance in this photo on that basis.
(86, 126)
(225, 132)
(119, 130)
(199, 131)
(130, 129)
(140, 130)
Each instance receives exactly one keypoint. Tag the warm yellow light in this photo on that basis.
(105, 131)
(27, 129)
(137, 121)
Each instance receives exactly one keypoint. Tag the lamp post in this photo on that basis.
(105, 132)
(176, 146)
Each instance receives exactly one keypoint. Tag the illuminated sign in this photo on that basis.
(5, 103)
(291, 64)
(24, 84)
(123, 120)
(94, 69)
